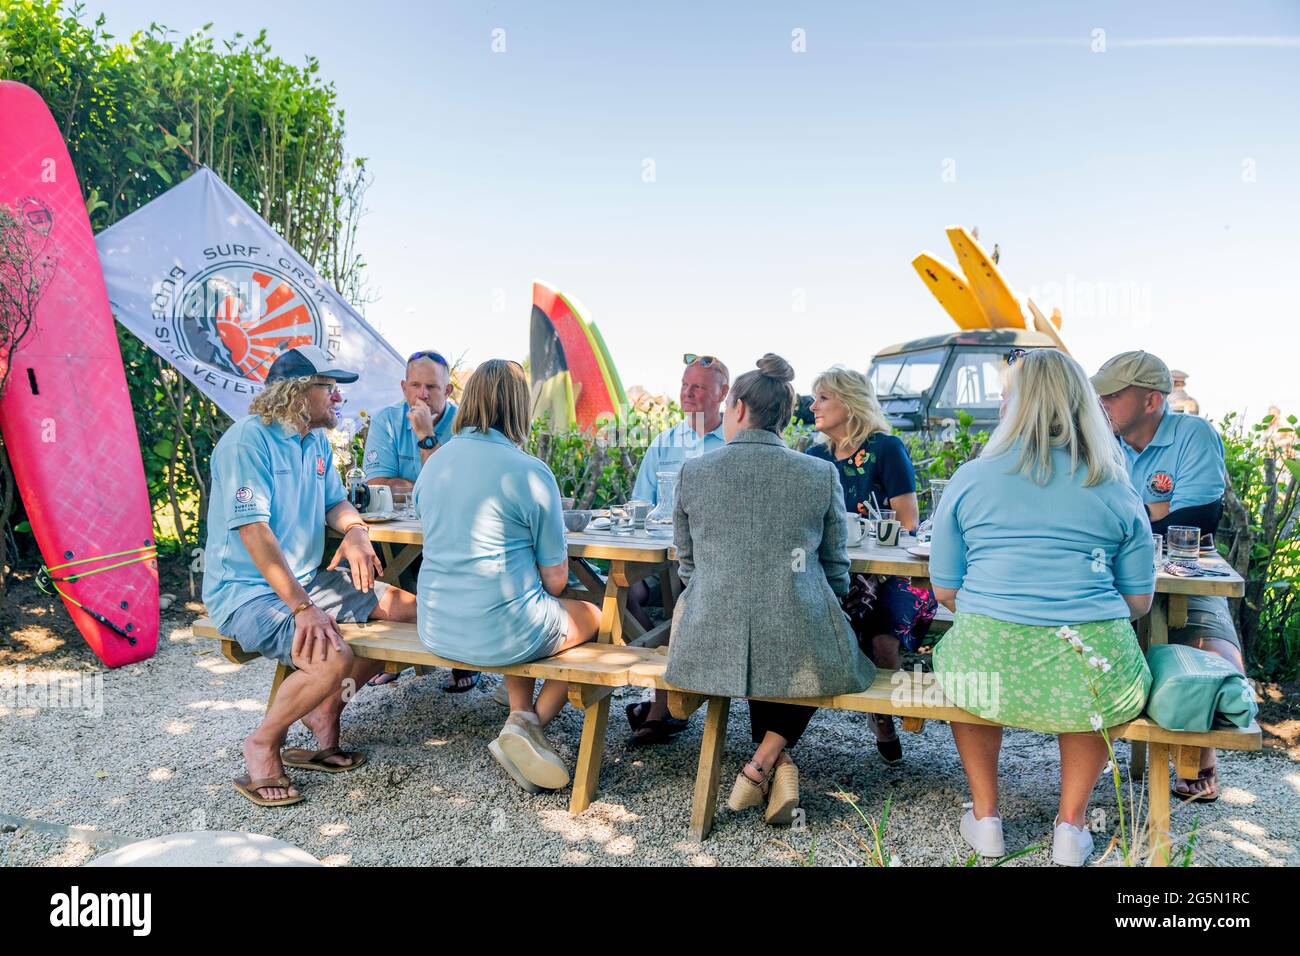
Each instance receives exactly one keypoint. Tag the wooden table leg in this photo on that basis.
(1158, 798)
(395, 562)
(1177, 614)
(707, 776)
(588, 578)
(591, 751)
(1155, 628)
(611, 613)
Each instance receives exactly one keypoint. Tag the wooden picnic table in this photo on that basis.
(635, 557)
(631, 558)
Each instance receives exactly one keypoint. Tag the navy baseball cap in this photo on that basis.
(305, 361)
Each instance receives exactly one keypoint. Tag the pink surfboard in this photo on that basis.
(66, 414)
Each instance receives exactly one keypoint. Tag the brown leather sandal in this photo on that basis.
(249, 789)
(316, 759)
(1205, 788)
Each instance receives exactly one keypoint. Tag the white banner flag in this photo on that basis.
(208, 285)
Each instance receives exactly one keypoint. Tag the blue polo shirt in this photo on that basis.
(480, 595)
(667, 452)
(1052, 554)
(265, 473)
(391, 451)
(1183, 465)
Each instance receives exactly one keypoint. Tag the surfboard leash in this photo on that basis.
(46, 576)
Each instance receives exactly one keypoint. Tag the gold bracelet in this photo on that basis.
(360, 524)
(302, 607)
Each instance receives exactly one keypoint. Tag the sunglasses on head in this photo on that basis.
(690, 358)
(1014, 356)
(429, 354)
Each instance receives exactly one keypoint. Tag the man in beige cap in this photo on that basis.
(1179, 399)
(1176, 463)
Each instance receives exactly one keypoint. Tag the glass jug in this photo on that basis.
(659, 522)
(358, 490)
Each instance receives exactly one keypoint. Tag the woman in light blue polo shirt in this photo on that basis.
(495, 561)
(1043, 551)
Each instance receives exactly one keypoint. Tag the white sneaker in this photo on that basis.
(1071, 845)
(524, 743)
(509, 767)
(984, 836)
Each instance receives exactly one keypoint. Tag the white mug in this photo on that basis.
(887, 531)
(855, 528)
(381, 499)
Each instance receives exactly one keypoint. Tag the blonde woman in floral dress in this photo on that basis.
(887, 612)
(1043, 551)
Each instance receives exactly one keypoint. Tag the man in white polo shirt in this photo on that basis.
(401, 437)
(705, 383)
(1176, 464)
(399, 440)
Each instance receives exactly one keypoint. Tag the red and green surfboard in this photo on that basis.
(573, 376)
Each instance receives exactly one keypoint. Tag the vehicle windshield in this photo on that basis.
(908, 374)
(974, 381)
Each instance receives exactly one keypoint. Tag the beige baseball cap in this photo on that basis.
(1132, 368)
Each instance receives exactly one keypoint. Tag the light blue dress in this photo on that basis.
(490, 514)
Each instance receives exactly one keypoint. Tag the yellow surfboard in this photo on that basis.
(987, 284)
(952, 292)
(1046, 326)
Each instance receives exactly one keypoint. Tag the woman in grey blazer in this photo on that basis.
(760, 538)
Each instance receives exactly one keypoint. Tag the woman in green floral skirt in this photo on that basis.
(1043, 551)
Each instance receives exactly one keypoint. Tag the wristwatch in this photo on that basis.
(427, 443)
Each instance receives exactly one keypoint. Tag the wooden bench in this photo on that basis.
(916, 697)
(593, 671)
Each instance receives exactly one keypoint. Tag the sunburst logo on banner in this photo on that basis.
(238, 317)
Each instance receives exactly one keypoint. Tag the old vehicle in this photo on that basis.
(923, 383)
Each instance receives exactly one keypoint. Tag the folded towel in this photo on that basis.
(1192, 690)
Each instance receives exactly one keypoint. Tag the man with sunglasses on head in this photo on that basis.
(274, 490)
(705, 382)
(400, 439)
(402, 436)
(1176, 463)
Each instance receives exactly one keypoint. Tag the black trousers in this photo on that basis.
(788, 720)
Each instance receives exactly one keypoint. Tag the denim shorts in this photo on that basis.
(265, 625)
(1207, 616)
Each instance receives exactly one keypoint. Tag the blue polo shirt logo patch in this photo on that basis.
(320, 467)
(244, 494)
(1161, 483)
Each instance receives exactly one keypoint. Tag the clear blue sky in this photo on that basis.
(1151, 190)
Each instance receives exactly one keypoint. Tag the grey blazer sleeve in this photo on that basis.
(682, 531)
(833, 552)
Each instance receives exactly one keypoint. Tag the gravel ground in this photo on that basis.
(160, 758)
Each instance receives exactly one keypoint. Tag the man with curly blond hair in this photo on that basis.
(274, 489)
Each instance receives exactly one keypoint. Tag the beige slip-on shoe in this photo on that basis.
(524, 743)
